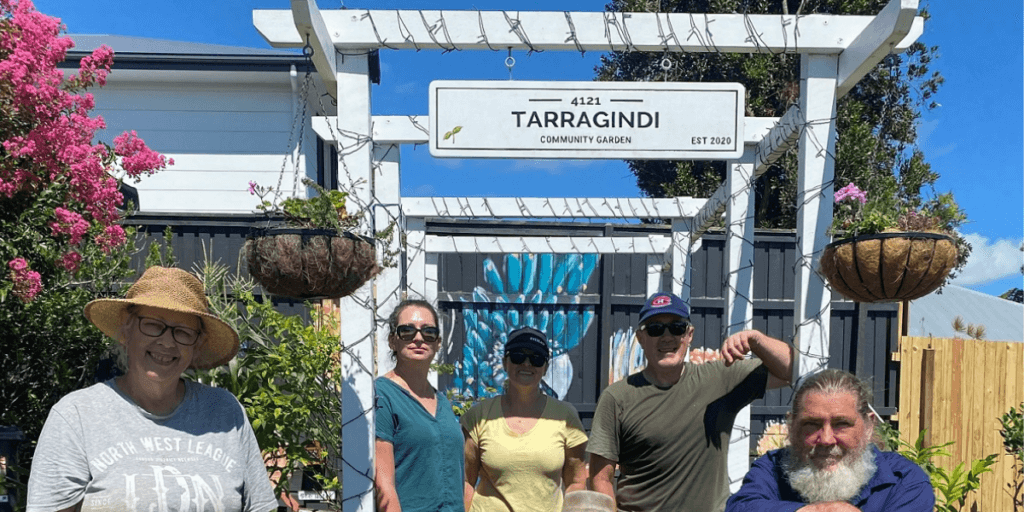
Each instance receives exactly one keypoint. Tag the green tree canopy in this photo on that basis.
(877, 121)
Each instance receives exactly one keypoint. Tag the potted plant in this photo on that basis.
(308, 249)
(892, 248)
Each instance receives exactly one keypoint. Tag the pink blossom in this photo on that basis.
(17, 264)
(94, 68)
(69, 223)
(27, 283)
(111, 237)
(70, 261)
(252, 188)
(46, 137)
(136, 158)
(849, 191)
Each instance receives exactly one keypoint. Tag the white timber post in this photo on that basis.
(655, 272)
(816, 171)
(387, 189)
(358, 356)
(739, 307)
(679, 258)
(421, 272)
(416, 257)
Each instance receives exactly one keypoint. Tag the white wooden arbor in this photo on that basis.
(836, 51)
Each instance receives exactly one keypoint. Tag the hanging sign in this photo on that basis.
(586, 120)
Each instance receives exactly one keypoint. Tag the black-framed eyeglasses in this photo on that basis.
(536, 360)
(408, 333)
(657, 329)
(155, 328)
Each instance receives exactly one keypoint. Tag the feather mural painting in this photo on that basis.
(529, 290)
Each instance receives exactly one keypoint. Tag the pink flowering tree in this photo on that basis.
(58, 189)
(61, 239)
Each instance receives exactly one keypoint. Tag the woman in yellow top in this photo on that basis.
(522, 447)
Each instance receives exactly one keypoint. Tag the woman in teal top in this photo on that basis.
(419, 443)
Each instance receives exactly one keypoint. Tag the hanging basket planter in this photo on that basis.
(888, 267)
(310, 263)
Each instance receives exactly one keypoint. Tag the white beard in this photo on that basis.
(839, 484)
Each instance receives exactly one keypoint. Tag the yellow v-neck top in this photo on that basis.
(522, 472)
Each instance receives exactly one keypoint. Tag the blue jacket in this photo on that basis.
(898, 485)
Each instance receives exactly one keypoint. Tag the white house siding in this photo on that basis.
(222, 128)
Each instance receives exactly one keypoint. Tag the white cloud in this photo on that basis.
(990, 260)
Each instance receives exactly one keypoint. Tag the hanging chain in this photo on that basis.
(299, 120)
(510, 62)
(666, 66)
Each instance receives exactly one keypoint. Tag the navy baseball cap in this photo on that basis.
(527, 337)
(663, 302)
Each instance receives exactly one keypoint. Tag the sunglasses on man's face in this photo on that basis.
(536, 360)
(408, 333)
(657, 329)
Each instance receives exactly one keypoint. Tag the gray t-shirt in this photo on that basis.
(671, 444)
(99, 448)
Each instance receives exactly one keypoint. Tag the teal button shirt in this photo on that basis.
(429, 466)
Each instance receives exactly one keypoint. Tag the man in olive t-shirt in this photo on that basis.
(667, 427)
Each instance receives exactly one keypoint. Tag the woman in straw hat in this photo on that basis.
(419, 443)
(150, 438)
(522, 448)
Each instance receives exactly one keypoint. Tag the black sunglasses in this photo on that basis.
(536, 360)
(657, 329)
(408, 333)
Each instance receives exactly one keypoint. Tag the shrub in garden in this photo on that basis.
(61, 242)
(1013, 443)
(287, 375)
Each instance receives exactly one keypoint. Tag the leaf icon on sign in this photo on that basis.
(451, 134)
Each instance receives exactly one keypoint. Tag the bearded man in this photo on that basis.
(831, 464)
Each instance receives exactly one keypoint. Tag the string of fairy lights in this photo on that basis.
(348, 143)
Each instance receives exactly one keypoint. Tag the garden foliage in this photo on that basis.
(1013, 443)
(61, 242)
(287, 375)
(951, 487)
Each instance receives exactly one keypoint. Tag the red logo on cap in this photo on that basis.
(660, 302)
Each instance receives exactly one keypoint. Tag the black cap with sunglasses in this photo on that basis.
(531, 339)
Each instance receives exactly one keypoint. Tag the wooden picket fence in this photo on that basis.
(957, 390)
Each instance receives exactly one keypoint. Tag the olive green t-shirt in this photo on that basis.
(671, 444)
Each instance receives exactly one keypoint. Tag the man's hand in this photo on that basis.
(830, 506)
(775, 354)
(735, 347)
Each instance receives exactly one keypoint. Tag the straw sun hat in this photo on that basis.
(175, 290)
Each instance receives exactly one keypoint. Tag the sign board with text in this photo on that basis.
(586, 120)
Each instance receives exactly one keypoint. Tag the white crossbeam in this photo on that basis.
(309, 25)
(354, 29)
(769, 148)
(878, 39)
(550, 207)
(651, 244)
(415, 129)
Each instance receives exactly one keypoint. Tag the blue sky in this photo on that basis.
(974, 140)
